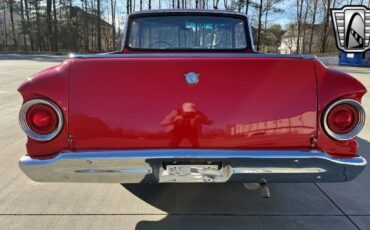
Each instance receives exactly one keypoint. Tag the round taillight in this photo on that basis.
(41, 119)
(344, 119)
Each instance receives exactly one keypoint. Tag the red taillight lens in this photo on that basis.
(42, 119)
(342, 119)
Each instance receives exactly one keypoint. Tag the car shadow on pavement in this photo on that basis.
(231, 206)
(353, 196)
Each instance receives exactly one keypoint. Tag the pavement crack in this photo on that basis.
(338, 207)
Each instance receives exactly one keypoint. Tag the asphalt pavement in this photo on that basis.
(25, 204)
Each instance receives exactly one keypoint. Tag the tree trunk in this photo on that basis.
(304, 28)
(23, 26)
(5, 29)
(299, 22)
(149, 4)
(39, 42)
(49, 26)
(119, 38)
(215, 4)
(326, 22)
(99, 26)
(86, 28)
(70, 11)
(259, 25)
(246, 7)
(92, 29)
(313, 25)
(2, 36)
(11, 10)
(113, 6)
(55, 30)
(30, 35)
(328, 35)
(128, 6)
(265, 27)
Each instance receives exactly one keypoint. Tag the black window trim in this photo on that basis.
(248, 33)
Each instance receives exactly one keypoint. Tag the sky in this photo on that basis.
(279, 18)
(284, 18)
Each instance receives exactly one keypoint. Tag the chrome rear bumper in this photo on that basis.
(192, 165)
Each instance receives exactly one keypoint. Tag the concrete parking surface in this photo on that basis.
(25, 204)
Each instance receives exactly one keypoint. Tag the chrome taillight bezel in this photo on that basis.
(356, 130)
(27, 129)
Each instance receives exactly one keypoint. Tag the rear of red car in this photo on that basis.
(165, 116)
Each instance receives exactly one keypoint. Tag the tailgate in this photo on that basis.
(125, 103)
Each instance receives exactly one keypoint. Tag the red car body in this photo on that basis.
(245, 101)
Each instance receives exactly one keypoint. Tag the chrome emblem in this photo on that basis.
(192, 78)
(352, 28)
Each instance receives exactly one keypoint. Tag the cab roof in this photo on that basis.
(188, 11)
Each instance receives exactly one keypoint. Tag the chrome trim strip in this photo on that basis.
(29, 132)
(262, 170)
(123, 171)
(193, 55)
(356, 130)
(148, 166)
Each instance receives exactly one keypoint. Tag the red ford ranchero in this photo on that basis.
(187, 99)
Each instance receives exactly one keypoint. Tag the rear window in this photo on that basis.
(187, 33)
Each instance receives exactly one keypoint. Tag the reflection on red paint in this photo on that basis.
(185, 123)
(293, 124)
